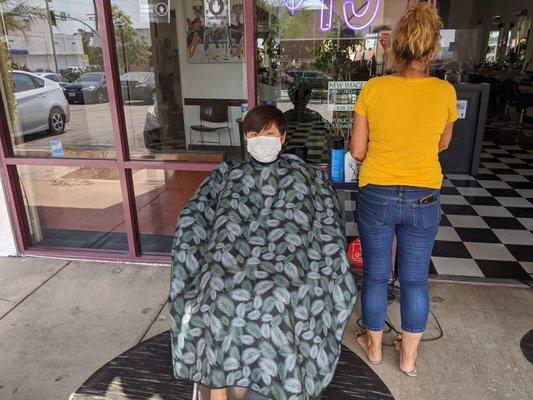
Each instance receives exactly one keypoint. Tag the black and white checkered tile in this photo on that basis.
(313, 135)
(487, 222)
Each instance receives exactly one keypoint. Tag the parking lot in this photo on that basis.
(90, 130)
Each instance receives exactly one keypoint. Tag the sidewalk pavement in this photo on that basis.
(61, 320)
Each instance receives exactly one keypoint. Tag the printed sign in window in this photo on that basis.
(461, 108)
(156, 11)
(343, 94)
(57, 148)
(216, 13)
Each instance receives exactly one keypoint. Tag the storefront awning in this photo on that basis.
(18, 51)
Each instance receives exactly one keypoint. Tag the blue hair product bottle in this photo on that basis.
(337, 160)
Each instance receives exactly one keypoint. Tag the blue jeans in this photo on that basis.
(382, 213)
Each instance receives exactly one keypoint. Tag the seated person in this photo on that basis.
(261, 290)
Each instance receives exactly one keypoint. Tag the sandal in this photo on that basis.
(398, 348)
(359, 334)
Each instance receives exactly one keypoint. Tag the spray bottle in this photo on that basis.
(337, 159)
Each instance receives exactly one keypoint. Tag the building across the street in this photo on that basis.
(34, 48)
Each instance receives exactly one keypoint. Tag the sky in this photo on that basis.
(84, 10)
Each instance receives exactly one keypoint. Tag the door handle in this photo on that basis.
(42, 96)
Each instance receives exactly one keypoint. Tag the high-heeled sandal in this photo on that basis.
(398, 348)
(359, 334)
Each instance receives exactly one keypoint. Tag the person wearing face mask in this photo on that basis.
(261, 289)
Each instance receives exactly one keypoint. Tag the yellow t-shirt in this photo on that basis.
(406, 118)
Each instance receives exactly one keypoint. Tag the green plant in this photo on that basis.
(16, 14)
(131, 47)
(6, 83)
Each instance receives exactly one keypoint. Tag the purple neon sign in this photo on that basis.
(355, 20)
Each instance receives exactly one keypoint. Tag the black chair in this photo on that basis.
(214, 112)
(513, 97)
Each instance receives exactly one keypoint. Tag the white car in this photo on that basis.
(41, 104)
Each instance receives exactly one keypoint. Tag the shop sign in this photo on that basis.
(156, 11)
(57, 148)
(355, 18)
(216, 13)
(342, 94)
(461, 108)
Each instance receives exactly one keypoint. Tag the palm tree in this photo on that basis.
(14, 15)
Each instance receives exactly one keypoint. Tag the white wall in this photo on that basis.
(217, 81)
(7, 238)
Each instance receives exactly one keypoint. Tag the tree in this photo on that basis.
(131, 47)
(94, 54)
(15, 14)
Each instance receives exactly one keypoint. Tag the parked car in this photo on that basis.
(41, 105)
(60, 79)
(42, 70)
(138, 86)
(88, 88)
(69, 70)
(167, 135)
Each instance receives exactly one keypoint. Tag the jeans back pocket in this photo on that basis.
(370, 211)
(427, 216)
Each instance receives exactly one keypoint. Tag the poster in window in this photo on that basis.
(342, 94)
(154, 11)
(215, 31)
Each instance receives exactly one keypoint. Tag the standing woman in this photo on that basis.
(402, 123)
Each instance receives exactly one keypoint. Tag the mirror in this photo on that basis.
(516, 50)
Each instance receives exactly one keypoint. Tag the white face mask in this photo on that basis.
(264, 148)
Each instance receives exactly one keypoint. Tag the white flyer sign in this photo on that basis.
(461, 108)
(342, 94)
(216, 13)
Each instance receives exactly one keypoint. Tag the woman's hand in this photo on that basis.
(359, 141)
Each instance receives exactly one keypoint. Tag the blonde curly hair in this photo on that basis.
(416, 36)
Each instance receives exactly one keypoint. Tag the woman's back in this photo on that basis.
(406, 118)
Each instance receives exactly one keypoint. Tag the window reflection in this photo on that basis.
(313, 62)
(52, 76)
(182, 80)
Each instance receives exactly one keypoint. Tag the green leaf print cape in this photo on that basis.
(261, 289)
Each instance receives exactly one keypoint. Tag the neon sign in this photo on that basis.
(354, 19)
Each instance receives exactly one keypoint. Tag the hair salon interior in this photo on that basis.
(114, 111)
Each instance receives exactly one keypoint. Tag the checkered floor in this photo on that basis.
(487, 222)
(313, 135)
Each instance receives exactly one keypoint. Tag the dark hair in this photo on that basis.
(264, 116)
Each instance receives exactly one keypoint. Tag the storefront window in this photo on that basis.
(73, 207)
(314, 57)
(159, 196)
(182, 77)
(52, 77)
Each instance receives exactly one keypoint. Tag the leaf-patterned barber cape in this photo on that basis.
(261, 289)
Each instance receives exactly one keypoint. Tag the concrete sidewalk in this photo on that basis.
(62, 320)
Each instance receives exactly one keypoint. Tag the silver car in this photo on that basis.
(41, 104)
